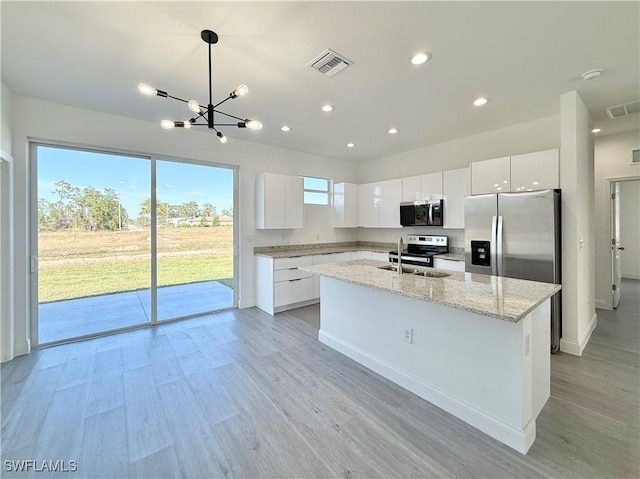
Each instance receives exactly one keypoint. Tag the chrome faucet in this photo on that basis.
(400, 248)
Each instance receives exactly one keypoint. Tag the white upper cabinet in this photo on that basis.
(431, 186)
(456, 185)
(412, 188)
(490, 176)
(279, 201)
(369, 205)
(293, 202)
(390, 198)
(345, 205)
(535, 171)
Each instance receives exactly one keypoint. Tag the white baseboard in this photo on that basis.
(576, 348)
(630, 276)
(603, 304)
(520, 440)
(20, 349)
(250, 303)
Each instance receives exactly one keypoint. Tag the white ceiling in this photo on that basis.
(523, 55)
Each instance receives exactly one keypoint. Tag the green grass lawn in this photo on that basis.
(81, 264)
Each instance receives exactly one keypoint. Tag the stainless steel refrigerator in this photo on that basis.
(517, 235)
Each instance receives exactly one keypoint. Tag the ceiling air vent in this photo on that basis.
(625, 109)
(329, 63)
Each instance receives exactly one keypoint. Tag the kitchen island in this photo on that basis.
(475, 345)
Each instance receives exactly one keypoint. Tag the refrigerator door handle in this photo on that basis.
(494, 242)
(499, 246)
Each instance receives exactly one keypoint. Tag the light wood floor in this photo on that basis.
(242, 394)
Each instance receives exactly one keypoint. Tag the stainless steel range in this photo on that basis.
(421, 250)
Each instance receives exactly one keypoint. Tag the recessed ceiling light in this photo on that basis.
(392, 131)
(327, 108)
(420, 58)
(591, 74)
(481, 101)
(285, 128)
(350, 145)
(596, 130)
(534, 183)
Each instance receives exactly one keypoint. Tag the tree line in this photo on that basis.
(88, 209)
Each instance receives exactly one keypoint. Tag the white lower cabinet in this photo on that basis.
(287, 293)
(449, 264)
(280, 285)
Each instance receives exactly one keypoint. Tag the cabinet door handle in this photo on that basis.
(299, 279)
(293, 268)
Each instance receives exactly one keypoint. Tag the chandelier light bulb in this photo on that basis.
(147, 89)
(253, 124)
(187, 124)
(420, 58)
(194, 106)
(222, 138)
(167, 124)
(242, 90)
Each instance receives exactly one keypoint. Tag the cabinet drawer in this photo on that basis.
(289, 274)
(293, 291)
(294, 262)
(449, 264)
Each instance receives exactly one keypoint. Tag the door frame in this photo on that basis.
(612, 225)
(32, 269)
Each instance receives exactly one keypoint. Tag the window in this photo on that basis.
(316, 191)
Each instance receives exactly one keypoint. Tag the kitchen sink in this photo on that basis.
(417, 272)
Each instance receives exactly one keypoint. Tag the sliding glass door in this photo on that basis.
(112, 253)
(194, 239)
(93, 258)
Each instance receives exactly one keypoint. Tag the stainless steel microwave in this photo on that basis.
(422, 213)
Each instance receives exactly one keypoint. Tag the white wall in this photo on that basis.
(630, 228)
(6, 228)
(6, 97)
(612, 160)
(48, 121)
(541, 134)
(578, 245)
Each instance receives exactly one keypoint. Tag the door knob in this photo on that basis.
(620, 248)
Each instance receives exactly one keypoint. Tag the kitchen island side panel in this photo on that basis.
(470, 365)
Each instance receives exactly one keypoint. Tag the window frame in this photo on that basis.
(317, 191)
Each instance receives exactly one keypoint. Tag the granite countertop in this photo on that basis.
(289, 251)
(320, 248)
(507, 299)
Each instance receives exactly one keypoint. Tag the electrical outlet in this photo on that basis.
(527, 344)
(407, 335)
(460, 237)
(317, 236)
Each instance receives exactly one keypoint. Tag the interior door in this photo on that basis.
(615, 243)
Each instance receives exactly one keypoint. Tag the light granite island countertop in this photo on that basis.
(477, 346)
(493, 296)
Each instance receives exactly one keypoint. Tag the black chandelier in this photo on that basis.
(207, 114)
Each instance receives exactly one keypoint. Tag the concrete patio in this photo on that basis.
(78, 317)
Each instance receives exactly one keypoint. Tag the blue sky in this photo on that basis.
(177, 183)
